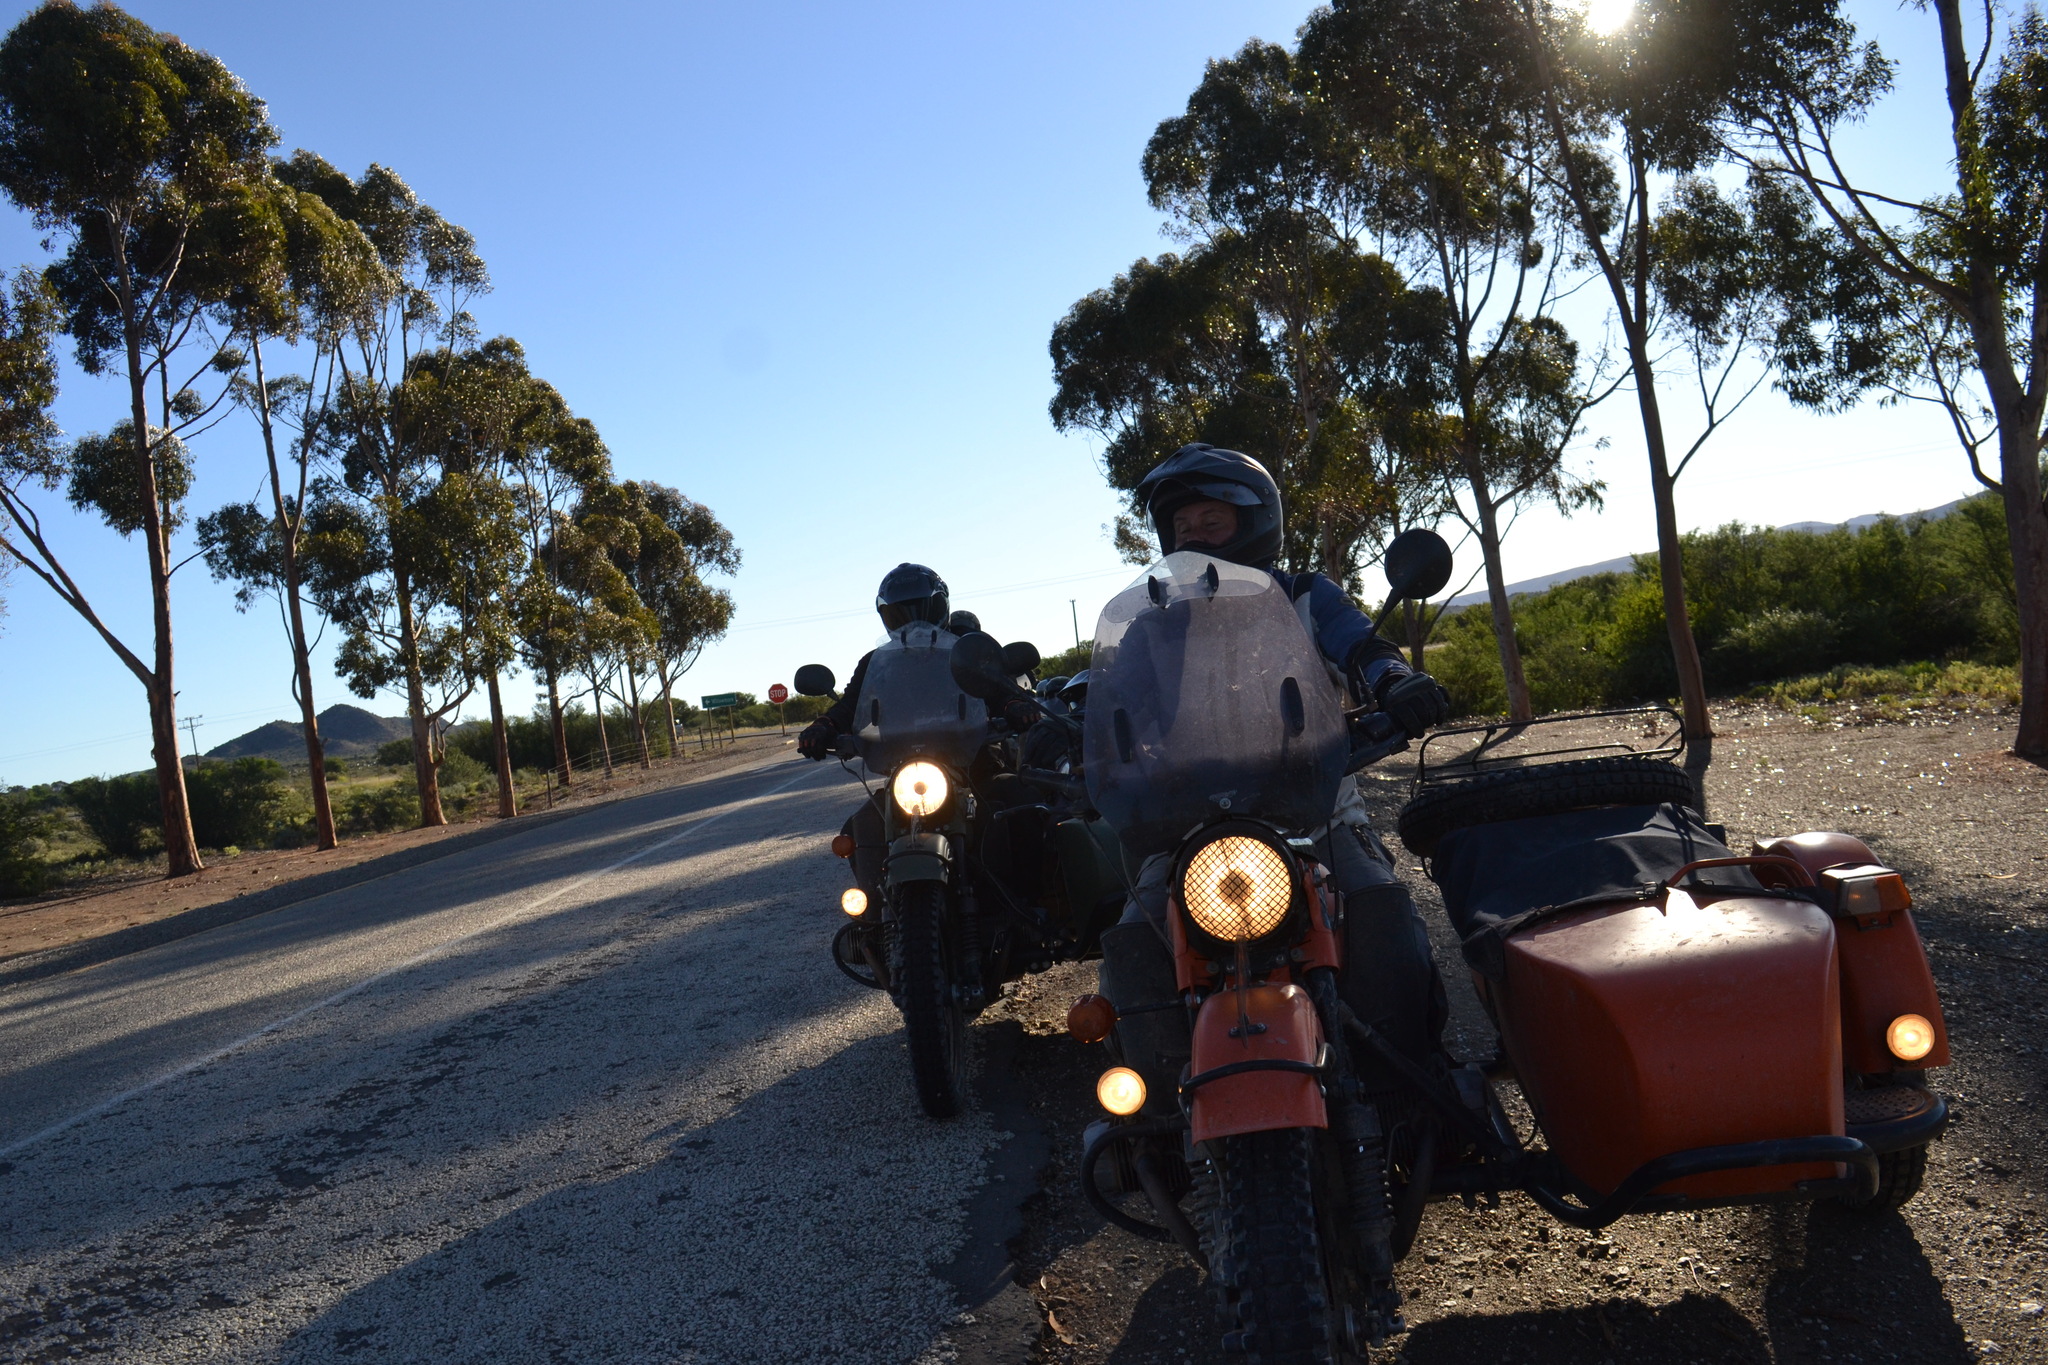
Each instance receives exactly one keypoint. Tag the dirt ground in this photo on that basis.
(74, 914)
(1958, 1276)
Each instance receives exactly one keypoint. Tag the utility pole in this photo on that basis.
(1075, 612)
(191, 724)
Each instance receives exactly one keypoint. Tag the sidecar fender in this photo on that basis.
(1251, 1080)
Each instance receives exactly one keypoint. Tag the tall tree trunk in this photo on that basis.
(604, 743)
(302, 656)
(1685, 650)
(1634, 315)
(181, 850)
(426, 766)
(1519, 707)
(668, 700)
(639, 716)
(561, 731)
(2017, 406)
(508, 796)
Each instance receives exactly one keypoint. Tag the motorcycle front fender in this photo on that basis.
(1264, 1076)
(919, 858)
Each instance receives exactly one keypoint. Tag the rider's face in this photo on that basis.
(1207, 522)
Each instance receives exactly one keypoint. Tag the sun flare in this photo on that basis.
(1607, 16)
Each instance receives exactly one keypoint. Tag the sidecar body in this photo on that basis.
(1648, 1014)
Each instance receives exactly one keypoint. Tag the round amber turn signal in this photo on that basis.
(842, 844)
(1121, 1091)
(1091, 1019)
(1910, 1037)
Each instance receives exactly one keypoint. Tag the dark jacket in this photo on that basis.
(1341, 630)
(840, 712)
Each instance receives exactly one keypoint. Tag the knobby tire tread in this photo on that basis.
(1899, 1175)
(1542, 789)
(932, 1024)
(1268, 1279)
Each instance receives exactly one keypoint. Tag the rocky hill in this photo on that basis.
(345, 731)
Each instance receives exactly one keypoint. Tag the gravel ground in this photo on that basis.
(1958, 1276)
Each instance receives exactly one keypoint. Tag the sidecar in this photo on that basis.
(1688, 1025)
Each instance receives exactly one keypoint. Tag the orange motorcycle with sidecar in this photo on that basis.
(1687, 1026)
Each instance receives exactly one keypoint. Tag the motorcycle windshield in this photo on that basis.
(1206, 699)
(909, 706)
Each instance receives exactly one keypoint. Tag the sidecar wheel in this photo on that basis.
(1544, 789)
(1899, 1175)
(933, 1023)
(1266, 1272)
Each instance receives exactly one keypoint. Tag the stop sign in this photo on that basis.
(778, 694)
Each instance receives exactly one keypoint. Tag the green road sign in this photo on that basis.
(719, 700)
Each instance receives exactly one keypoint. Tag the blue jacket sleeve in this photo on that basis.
(1342, 631)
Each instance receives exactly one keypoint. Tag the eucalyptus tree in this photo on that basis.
(606, 622)
(301, 275)
(491, 420)
(567, 463)
(1264, 178)
(679, 541)
(1631, 115)
(378, 428)
(1965, 274)
(1449, 170)
(122, 141)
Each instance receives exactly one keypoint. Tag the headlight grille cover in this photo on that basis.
(1237, 888)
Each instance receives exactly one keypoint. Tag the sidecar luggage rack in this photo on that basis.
(1664, 739)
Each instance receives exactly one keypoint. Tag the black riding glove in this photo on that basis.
(1416, 701)
(1020, 715)
(816, 740)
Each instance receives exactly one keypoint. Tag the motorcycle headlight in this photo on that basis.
(1237, 889)
(919, 789)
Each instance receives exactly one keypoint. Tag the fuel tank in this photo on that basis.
(1642, 1030)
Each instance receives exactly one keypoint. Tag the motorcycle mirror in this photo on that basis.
(962, 623)
(1020, 657)
(980, 669)
(1418, 564)
(814, 680)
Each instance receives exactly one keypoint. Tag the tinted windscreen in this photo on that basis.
(910, 707)
(1207, 699)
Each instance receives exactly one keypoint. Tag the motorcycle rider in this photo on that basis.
(1225, 504)
(910, 594)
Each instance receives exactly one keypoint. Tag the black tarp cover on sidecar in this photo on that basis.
(1502, 877)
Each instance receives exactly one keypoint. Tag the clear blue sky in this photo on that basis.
(801, 262)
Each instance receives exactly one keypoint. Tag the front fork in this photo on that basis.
(1356, 1128)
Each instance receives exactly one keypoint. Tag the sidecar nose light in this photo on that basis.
(854, 902)
(1091, 1019)
(1121, 1091)
(1910, 1037)
(842, 845)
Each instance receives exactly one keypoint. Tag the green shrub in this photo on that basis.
(395, 753)
(123, 812)
(240, 802)
(335, 767)
(459, 769)
(374, 809)
(23, 829)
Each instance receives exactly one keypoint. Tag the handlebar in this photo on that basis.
(1059, 784)
(1373, 738)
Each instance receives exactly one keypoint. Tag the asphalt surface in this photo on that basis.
(588, 1093)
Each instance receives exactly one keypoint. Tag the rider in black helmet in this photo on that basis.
(1224, 503)
(910, 593)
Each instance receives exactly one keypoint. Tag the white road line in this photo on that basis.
(415, 960)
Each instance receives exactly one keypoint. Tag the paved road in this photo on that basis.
(590, 1093)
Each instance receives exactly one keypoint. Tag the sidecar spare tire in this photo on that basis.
(1542, 789)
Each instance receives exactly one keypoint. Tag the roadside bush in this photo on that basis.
(23, 829)
(373, 810)
(123, 812)
(1765, 605)
(395, 753)
(237, 803)
(459, 769)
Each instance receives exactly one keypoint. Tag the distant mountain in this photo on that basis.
(1627, 562)
(344, 730)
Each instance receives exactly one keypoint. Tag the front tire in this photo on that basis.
(1899, 1175)
(1266, 1271)
(933, 1023)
